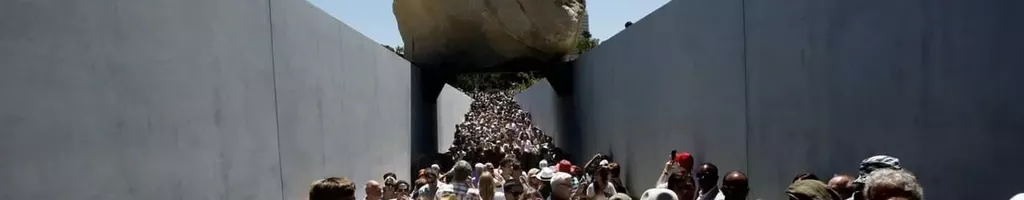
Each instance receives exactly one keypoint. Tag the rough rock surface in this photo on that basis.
(481, 34)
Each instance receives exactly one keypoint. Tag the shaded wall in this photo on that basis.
(226, 99)
(451, 110)
(778, 88)
(674, 80)
(541, 102)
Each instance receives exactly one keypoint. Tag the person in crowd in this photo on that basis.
(676, 176)
(869, 165)
(805, 176)
(332, 188)
(533, 178)
(735, 186)
(487, 186)
(889, 184)
(810, 189)
(429, 190)
(545, 175)
(446, 192)
(620, 196)
(600, 188)
(390, 185)
(420, 183)
(478, 170)
(374, 191)
(561, 186)
(514, 190)
(707, 179)
(460, 180)
(531, 194)
(842, 184)
(402, 190)
(564, 166)
(615, 177)
(659, 194)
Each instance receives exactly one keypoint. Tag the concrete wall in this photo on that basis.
(935, 83)
(452, 106)
(778, 88)
(193, 99)
(674, 80)
(343, 100)
(541, 102)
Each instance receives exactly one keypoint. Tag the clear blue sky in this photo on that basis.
(375, 19)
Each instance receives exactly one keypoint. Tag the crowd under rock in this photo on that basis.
(496, 127)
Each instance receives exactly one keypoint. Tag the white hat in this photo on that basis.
(659, 194)
(1018, 197)
(546, 174)
(603, 163)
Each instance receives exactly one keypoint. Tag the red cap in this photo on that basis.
(685, 160)
(564, 166)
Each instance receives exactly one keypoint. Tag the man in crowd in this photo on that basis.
(332, 188)
(869, 165)
(390, 184)
(460, 180)
(810, 189)
(889, 184)
(561, 186)
(842, 184)
(707, 179)
(428, 191)
(373, 190)
(735, 186)
(402, 189)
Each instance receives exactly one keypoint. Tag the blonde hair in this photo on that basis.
(486, 186)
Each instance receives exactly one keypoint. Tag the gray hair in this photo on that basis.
(462, 170)
(894, 179)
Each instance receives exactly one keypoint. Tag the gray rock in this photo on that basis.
(475, 35)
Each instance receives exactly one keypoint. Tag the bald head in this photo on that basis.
(373, 190)
(707, 176)
(842, 185)
(735, 185)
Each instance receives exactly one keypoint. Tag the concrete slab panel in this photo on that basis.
(343, 100)
(833, 82)
(673, 80)
(541, 102)
(452, 106)
(123, 101)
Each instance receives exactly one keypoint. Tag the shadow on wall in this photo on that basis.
(779, 88)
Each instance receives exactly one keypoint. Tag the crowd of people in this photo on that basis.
(496, 126)
(498, 154)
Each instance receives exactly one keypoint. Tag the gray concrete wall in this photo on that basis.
(452, 106)
(120, 100)
(343, 100)
(541, 102)
(673, 80)
(935, 83)
(778, 88)
(226, 99)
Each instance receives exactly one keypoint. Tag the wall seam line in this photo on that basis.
(277, 116)
(746, 87)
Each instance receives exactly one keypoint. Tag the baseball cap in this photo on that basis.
(564, 166)
(684, 159)
(873, 163)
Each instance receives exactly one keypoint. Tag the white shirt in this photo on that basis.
(713, 194)
(609, 190)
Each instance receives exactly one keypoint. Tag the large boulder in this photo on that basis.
(487, 35)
